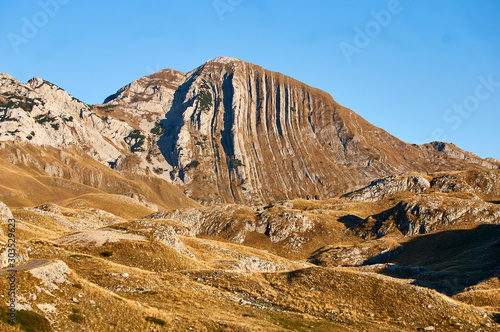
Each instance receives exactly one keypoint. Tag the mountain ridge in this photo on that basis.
(227, 131)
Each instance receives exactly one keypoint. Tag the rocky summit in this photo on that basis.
(226, 132)
(234, 198)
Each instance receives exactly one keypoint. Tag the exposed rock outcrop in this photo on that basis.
(165, 234)
(428, 213)
(42, 113)
(99, 237)
(21, 256)
(52, 274)
(5, 215)
(380, 189)
(234, 222)
(235, 132)
(450, 183)
(227, 131)
(369, 252)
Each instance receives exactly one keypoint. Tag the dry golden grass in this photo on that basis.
(109, 203)
(486, 294)
(147, 279)
(25, 183)
(140, 285)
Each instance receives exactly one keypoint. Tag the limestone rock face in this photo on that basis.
(5, 213)
(483, 183)
(380, 189)
(426, 213)
(235, 132)
(44, 114)
(52, 274)
(227, 132)
(235, 222)
(20, 258)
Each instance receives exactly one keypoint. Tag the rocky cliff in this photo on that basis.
(228, 131)
(232, 131)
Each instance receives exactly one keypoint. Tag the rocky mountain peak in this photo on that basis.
(35, 82)
(227, 131)
(226, 59)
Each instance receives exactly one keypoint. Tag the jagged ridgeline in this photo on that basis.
(228, 131)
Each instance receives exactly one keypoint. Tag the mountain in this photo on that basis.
(235, 132)
(55, 149)
(407, 237)
(227, 132)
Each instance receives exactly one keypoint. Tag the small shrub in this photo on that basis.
(158, 170)
(75, 316)
(28, 321)
(156, 321)
(157, 129)
(205, 100)
(139, 137)
(204, 84)
(26, 104)
(106, 253)
(5, 118)
(234, 163)
(192, 164)
(205, 97)
(268, 206)
(42, 118)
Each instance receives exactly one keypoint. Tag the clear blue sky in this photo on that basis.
(425, 70)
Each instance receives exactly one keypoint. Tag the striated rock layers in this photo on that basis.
(235, 132)
(228, 131)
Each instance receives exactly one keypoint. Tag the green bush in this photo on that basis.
(192, 164)
(42, 118)
(13, 102)
(158, 170)
(205, 100)
(234, 163)
(157, 129)
(205, 97)
(139, 137)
